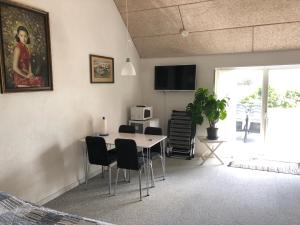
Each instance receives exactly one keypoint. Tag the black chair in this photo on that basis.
(99, 155)
(131, 130)
(126, 129)
(155, 151)
(128, 159)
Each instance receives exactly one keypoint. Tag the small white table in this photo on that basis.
(142, 140)
(210, 144)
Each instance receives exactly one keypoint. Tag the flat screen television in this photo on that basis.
(178, 77)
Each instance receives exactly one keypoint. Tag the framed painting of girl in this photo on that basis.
(25, 49)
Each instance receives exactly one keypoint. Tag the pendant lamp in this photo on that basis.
(128, 68)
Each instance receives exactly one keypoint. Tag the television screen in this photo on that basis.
(179, 77)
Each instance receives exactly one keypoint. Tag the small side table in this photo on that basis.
(210, 144)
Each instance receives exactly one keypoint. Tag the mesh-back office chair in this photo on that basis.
(99, 155)
(128, 159)
(126, 129)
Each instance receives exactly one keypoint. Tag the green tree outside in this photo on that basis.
(290, 99)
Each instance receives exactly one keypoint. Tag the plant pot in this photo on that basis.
(212, 133)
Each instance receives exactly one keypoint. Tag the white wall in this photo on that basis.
(40, 155)
(164, 102)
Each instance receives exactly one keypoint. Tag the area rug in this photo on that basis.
(267, 165)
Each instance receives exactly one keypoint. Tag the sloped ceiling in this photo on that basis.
(214, 26)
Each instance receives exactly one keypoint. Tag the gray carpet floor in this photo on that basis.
(191, 194)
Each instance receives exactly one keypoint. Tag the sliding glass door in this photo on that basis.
(243, 88)
(264, 109)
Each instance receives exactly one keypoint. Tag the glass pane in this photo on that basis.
(283, 113)
(243, 124)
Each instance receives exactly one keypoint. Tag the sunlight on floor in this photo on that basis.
(287, 152)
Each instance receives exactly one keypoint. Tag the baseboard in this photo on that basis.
(63, 190)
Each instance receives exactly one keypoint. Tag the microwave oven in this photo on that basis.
(140, 125)
(141, 112)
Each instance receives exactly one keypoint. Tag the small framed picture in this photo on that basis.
(25, 54)
(101, 69)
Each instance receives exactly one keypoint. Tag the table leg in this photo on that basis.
(212, 150)
(148, 170)
(213, 153)
(163, 153)
(203, 159)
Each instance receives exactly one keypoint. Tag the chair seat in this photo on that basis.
(140, 161)
(112, 156)
(153, 154)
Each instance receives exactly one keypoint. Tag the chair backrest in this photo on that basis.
(127, 129)
(127, 157)
(181, 132)
(97, 150)
(154, 131)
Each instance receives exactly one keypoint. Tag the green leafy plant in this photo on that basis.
(215, 110)
(207, 105)
(196, 108)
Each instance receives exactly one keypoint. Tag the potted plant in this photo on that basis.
(215, 110)
(206, 104)
(196, 108)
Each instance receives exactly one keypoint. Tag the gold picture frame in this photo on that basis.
(101, 69)
(25, 62)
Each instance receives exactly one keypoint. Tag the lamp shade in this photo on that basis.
(128, 69)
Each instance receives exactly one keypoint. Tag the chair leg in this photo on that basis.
(128, 176)
(116, 180)
(102, 171)
(140, 183)
(145, 172)
(109, 179)
(124, 174)
(163, 167)
(87, 175)
(152, 175)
